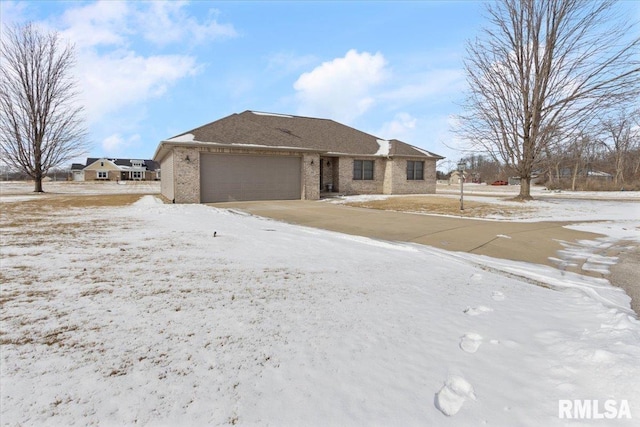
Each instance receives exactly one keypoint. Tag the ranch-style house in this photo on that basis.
(266, 156)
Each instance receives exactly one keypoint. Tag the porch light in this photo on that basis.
(461, 165)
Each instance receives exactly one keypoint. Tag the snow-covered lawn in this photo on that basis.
(17, 191)
(621, 206)
(139, 315)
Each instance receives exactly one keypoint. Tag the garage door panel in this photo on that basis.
(239, 177)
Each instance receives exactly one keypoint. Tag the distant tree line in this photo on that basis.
(601, 155)
(54, 174)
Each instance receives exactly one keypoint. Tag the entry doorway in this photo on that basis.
(328, 174)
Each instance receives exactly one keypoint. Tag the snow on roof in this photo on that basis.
(384, 147)
(259, 113)
(599, 173)
(425, 152)
(187, 137)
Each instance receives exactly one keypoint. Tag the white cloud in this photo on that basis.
(429, 85)
(401, 127)
(167, 22)
(116, 144)
(343, 88)
(162, 23)
(112, 144)
(12, 12)
(109, 82)
(96, 24)
(112, 74)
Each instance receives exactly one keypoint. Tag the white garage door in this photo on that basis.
(226, 178)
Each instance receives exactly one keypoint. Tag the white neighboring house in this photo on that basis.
(110, 169)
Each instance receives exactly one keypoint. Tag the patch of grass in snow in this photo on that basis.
(95, 291)
(440, 206)
(68, 201)
(57, 336)
(35, 222)
(33, 233)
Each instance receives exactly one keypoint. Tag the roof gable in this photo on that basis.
(94, 163)
(252, 128)
(101, 164)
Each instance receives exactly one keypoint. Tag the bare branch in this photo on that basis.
(41, 125)
(541, 70)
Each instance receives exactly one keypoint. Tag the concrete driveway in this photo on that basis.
(531, 242)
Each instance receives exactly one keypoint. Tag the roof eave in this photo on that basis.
(165, 146)
(419, 156)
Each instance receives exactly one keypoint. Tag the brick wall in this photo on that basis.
(311, 177)
(346, 183)
(390, 176)
(401, 185)
(327, 172)
(186, 177)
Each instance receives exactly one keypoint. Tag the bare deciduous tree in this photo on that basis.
(577, 154)
(40, 124)
(541, 68)
(620, 136)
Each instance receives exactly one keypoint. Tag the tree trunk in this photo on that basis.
(574, 176)
(525, 189)
(38, 175)
(38, 185)
(619, 179)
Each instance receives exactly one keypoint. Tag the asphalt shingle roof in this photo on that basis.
(279, 130)
(150, 164)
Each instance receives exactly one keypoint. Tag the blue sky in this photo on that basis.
(151, 70)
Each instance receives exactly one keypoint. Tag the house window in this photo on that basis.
(102, 174)
(136, 175)
(415, 171)
(363, 170)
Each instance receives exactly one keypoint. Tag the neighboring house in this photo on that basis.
(77, 172)
(566, 173)
(265, 156)
(536, 179)
(599, 175)
(109, 169)
(455, 177)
